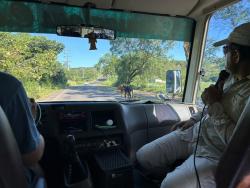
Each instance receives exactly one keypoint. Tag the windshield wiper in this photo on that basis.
(141, 101)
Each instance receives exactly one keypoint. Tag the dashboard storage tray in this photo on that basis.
(113, 170)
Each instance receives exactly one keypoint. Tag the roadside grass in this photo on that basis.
(155, 87)
(108, 82)
(150, 87)
(75, 83)
(37, 91)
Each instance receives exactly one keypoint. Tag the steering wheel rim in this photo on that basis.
(38, 114)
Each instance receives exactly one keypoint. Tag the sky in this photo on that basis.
(78, 54)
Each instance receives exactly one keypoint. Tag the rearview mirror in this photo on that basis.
(86, 32)
(173, 81)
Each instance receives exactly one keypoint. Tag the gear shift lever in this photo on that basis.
(71, 142)
(75, 171)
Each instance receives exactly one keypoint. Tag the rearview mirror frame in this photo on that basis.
(86, 32)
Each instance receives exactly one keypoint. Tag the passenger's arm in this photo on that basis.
(183, 125)
(221, 121)
(220, 118)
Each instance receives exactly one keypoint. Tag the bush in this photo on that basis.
(37, 91)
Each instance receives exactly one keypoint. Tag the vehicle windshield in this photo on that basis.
(148, 60)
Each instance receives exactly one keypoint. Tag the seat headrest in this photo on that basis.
(11, 166)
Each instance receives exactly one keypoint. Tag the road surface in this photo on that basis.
(94, 92)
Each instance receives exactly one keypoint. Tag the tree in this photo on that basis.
(107, 65)
(90, 74)
(225, 20)
(31, 58)
(187, 48)
(234, 15)
(135, 56)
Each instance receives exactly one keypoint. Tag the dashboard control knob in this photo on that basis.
(109, 122)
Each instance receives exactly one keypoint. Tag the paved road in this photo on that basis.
(93, 92)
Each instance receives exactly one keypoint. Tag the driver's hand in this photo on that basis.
(33, 107)
(245, 182)
(183, 125)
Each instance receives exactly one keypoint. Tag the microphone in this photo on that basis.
(222, 78)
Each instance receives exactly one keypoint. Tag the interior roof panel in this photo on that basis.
(190, 8)
(171, 7)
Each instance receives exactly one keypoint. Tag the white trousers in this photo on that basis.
(161, 153)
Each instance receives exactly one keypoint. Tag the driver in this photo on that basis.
(224, 110)
(15, 104)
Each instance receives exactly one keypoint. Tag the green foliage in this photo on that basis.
(39, 91)
(134, 57)
(140, 63)
(234, 15)
(90, 74)
(107, 65)
(77, 76)
(33, 60)
(224, 20)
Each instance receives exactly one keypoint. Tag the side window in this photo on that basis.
(221, 24)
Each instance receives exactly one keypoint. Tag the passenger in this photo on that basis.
(224, 109)
(15, 104)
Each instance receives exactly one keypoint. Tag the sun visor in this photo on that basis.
(32, 17)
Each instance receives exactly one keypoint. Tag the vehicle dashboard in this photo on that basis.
(102, 126)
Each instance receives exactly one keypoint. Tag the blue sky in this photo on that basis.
(77, 50)
(78, 53)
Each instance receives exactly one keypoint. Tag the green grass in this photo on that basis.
(155, 87)
(74, 83)
(37, 91)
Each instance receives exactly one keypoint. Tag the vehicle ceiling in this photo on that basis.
(190, 8)
(44, 17)
(37, 17)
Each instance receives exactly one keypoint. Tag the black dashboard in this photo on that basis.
(102, 126)
(95, 126)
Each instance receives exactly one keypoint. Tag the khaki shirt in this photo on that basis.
(218, 125)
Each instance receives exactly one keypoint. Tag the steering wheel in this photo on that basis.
(36, 111)
(38, 114)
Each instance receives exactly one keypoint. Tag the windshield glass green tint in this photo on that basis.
(44, 18)
(147, 60)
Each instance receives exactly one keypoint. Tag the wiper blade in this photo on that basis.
(141, 101)
(129, 100)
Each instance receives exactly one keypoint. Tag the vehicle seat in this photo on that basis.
(11, 166)
(235, 161)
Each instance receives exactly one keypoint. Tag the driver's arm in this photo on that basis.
(29, 140)
(32, 158)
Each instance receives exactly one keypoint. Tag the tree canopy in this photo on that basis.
(133, 57)
(30, 57)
